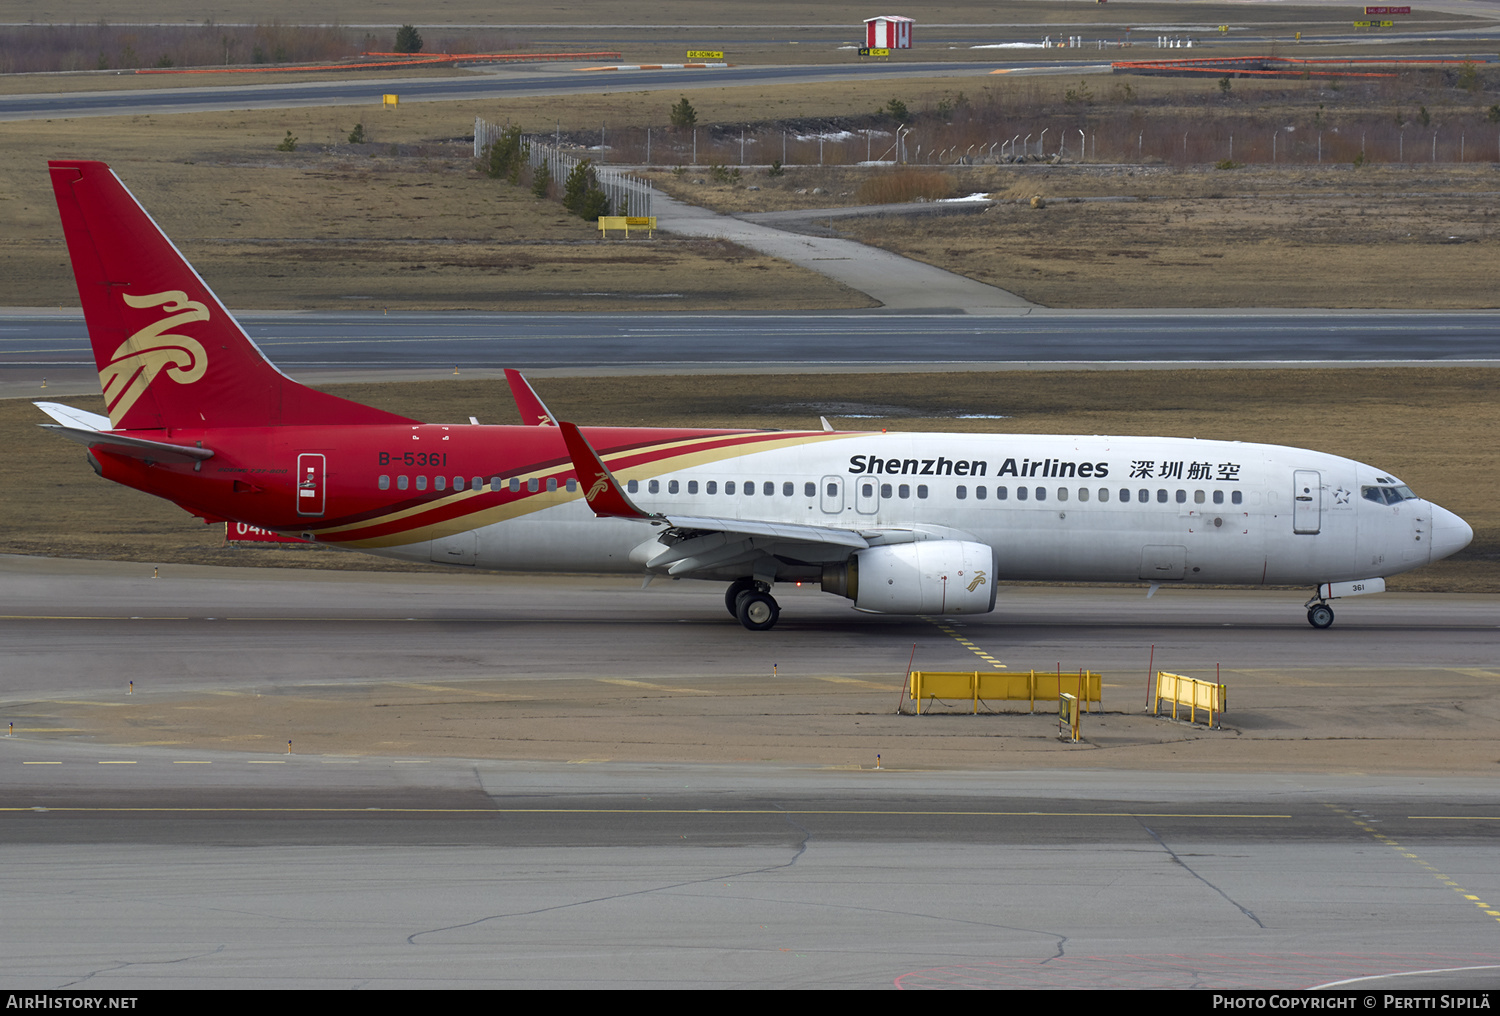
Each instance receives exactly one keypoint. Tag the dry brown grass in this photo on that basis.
(1433, 427)
(905, 184)
(1401, 238)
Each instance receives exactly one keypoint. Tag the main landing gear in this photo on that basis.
(752, 604)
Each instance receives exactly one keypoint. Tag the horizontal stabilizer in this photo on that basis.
(81, 419)
(135, 447)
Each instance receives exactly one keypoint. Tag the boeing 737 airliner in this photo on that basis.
(897, 523)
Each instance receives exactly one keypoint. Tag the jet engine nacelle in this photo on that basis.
(929, 577)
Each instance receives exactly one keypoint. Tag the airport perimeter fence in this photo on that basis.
(1098, 138)
(628, 195)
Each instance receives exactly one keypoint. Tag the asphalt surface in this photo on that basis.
(984, 853)
(489, 83)
(329, 346)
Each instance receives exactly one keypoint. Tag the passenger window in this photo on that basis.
(1182, 497)
(768, 488)
(1104, 493)
(961, 492)
(1001, 493)
(385, 483)
(1197, 497)
(1218, 497)
(1083, 493)
(692, 486)
(401, 483)
(552, 484)
(833, 490)
(671, 486)
(458, 483)
(712, 487)
(1161, 497)
(922, 490)
(904, 491)
(789, 488)
(749, 488)
(572, 483)
(1062, 493)
(809, 489)
(728, 487)
(1041, 493)
(885, 490)
(654, 487)
(495, 482)
(1021, 493)
(980, 493)
(515, 484)
(532, 484)
(1143, 495)
(440, 483)
(1237, 497)
(478, 483)
(1124, 495)
(630, 485)
(421, 483)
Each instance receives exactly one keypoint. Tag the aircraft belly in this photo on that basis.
(566, 538)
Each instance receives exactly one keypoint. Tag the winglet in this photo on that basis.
(534, 413)
(600, 488)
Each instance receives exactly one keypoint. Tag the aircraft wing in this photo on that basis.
(609, 500)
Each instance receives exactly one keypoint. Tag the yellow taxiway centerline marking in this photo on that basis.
(649, 686)
(1407, 852)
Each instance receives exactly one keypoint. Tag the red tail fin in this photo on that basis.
(169, 353)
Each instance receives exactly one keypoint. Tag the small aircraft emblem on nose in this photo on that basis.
(1341, 496)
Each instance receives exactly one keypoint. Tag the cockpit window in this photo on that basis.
(1388, 495)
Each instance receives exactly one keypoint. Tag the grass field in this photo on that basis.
(405, 221)
(1433, 427)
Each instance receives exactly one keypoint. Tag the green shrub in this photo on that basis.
(288, 143)
(408, 40)
(507, 155)
(683, 114)
(357, 135)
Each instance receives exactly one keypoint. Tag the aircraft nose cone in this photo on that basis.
(1450, 534)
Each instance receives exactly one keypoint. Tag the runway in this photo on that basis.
(493, 84)
(329, 346)
(500, 781)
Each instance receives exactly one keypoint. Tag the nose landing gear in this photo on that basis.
(1320, 615)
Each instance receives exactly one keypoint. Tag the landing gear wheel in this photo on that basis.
(1320, 615)
(732, 595)
(757, 611)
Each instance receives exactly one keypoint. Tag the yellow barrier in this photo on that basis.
(608, 222)
(389, 100)
(1004, 686)
(1190, 692)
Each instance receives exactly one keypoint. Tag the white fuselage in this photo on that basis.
(1059, 508)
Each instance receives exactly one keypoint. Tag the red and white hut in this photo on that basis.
(889, 31)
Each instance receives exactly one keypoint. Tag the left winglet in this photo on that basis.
(600, 488)
(534, 412)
